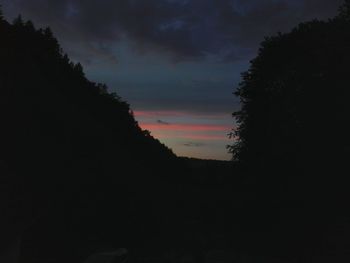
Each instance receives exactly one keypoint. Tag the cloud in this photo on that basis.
(245, 23)
(185, 127)
(188, 135)
(177, 113)
(163, 122)
(193, 144)
(191, 29)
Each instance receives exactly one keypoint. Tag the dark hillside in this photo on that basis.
(83, 170)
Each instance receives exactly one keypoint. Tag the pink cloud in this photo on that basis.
(173, 113)
(158, 113)
(194, 137)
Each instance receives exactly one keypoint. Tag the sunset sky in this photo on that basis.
(177, 62)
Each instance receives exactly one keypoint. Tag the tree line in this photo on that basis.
(292, 140)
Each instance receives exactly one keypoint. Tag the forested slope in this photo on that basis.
(80, 172)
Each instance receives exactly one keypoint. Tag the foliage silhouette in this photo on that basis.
(294, 87)
(293, 134)
(344, 11)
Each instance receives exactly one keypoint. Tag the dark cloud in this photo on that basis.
(186, 29)
(245, 24)
(163, 122)
(152, 24)
(193, 144)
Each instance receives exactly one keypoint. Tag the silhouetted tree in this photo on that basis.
(30, 26)
(344, 11)
(78, 68)
(18, 21)
(296, 85)
(293, 129)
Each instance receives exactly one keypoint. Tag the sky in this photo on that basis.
(176, 62)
